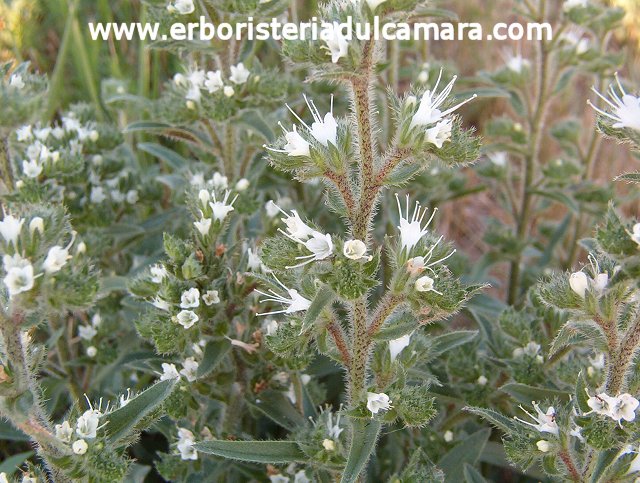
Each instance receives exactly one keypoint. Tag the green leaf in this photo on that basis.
(363, 442)
(605, 458)
(629, 177)
(560, 197)
(581, 393)
(448, 341)
(213, 355)
(471, 475)
(466, 452)
(256, 122)
(276, 406)
(273, 452)
(172, 158)
(11, 464)
(396, 326)
(525, 394)
(504, 423)
(123, 421)
(324, 297)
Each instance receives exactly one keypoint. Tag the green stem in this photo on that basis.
(359, 352)
(531, 163)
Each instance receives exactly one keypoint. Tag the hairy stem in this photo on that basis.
(619, 364)
(359, 352)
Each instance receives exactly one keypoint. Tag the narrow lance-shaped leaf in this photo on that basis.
(123, 421)
(273, 452)
(363, 442)
(323, 298)
(467, 452)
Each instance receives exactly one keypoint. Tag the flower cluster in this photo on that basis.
(86, 428)
(195, 80)
(436, 123)
(617, 408)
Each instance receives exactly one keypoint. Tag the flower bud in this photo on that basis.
(354, 249)
(36, 223)
(579, 282)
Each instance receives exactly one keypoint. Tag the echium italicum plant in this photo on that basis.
(50, 290)
(541, 154)
(241, 322)
(584, 427)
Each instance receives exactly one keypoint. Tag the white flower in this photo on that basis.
(16, 81)
(278, 478)
(214, 81)
(579, 282)
(87, 424)
(169, 371)
(228, 91)
(320, 246)
(186, 441)
(411, 229)
(296, 228)
(543, 445)
(625, 107)
(86, 332)
(531, 349)
(570, 4)
(204, 196)
(220, 208)
(425, 284)
(354, 249)
(97, 195)
(373, 4)
(239, 74)
(132, 197)
(624, 407)
(190, 369)
(36, 224)
(161, 304)
(429, 109)
(19, 279)
(440, 133)
(56, 259)
(242, 184)
(600, 403)
(296, 144)
(211, 297)
(295, 302)
(336, 41)
(575, 39)
(219, 182)
(187, 318)
(3, 478)
(24, 133)
(250, 348)
(253, 261)
(333, 430)
(301, 477)
(482, 380)
(270, 326)
(544, 422)
(328, 444)
(516, 63)
(377, 402)
(183, 7)
(396, 346)
(92, 351)
(158, 273)
(80, 447)
(125, 398)
(498, 158)
(64, 431)
(190, 298)
(31, 169)
(272, 210)
(324, 130)
(10, 228)
(448, 436)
